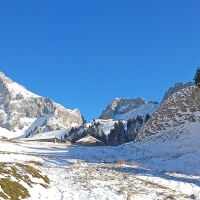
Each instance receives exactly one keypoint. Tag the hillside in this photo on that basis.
(163, 166)
(182, 107)
(162, 163)
(178, 86)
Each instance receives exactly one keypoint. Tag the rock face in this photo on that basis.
(176, 88)
(19, 108)
(180, 108)
(124, 108)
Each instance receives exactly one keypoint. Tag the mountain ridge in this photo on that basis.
(180, 108)
(19, 108)
(120, 106)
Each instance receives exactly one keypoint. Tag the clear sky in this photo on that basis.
(83, 54)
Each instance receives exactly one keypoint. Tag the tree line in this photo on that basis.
(117, 136)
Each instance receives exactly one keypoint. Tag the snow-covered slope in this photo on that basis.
(124, 108)
(104, 125)
(46, 135)
(22, 111)
(149, 108)
(175, 149)
(182, 107)
(162, 166)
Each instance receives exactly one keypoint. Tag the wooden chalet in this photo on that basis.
(47, 139)
(89, 141)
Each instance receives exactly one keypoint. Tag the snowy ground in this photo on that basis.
(165, 166)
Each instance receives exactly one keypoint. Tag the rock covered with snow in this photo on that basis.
(180, 108)
(176, 88)
(124, 108)
(19, 108)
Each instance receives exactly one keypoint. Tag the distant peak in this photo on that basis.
(117, 99)
(178, 86)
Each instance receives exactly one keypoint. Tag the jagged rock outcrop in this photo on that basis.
(118, 108)
(176, 88)
(19, 108)
(180, 108)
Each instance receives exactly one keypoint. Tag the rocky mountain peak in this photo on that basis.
(178, 86)
(20, 107)
(121, 106)
(5, 79)
(180, 108)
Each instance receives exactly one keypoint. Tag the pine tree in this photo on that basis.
(84, 133)
(197, 77)
(134, 127)
(97, 135)
(111, 137)
(147, 117)
(75, 137)
(103, 137)
(121, 134)
(71, 131)
(117, 135)
(139, 119)
(91, 131)
(128, 124)
(97, 126)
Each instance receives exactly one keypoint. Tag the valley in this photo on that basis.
(158, 168)
(149, 150)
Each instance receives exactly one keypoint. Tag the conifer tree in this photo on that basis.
(121, 134)
(84, 133)
(133, 127)
(97, 135)
(111, 137)
(197, 77)
(75, 137)
(139, 119)
(103, 137)
(147, 117)
(116, 132)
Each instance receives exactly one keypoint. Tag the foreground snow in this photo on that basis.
(164, 166)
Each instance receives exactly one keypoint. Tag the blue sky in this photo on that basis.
(83, 54)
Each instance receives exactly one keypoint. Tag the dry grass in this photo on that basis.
(133, 163)
(124, 183)
(14, 190)
(121, 162)
(38, 163)
(5, 139)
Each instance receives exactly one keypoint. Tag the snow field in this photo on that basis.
(163, 166)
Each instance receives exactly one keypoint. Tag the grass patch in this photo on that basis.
(5, 139)
(35, 162)
(14, 189)
(3, 195)
(35, 173)
(21, 172)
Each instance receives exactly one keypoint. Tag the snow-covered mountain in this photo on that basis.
(22, 111)
(180, 108)
(121, 109)
(162, 164)
(124, 108)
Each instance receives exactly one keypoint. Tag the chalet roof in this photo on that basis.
(87, 139)
(40, 138)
